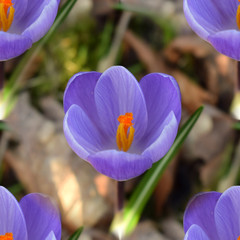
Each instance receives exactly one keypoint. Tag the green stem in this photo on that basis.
(1, 75)
(238, 76)
(120, 196)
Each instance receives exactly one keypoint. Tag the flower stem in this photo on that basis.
(238, 76)
(120, 196)
(235, 105)
(1, 75)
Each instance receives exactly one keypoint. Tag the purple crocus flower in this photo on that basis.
(118, 125)
(213, 216)
(23, 22)
(34, 217)
(216, 21)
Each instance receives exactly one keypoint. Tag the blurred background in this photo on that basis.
(143, 36)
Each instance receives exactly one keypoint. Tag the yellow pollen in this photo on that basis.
(6, 14)
(125, 132)
(7, 236)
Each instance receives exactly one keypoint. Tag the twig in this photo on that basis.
(120, 31)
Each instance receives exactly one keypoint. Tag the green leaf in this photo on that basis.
(4, 126)
(16, 189)
(16, 82)
(236, 125)
(77, 234)
(127, 7)
(125, 222)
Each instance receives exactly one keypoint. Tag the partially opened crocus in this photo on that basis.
(34, 217)
(118, 125)
(213, 216)
(216, 21)
(23, 22)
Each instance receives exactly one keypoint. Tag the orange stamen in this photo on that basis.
(238, 16)
(6, 14)
(7, 236)
(125, 132)
(239, 236)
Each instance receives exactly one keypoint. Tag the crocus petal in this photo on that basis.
(200, 211)
(162, 95)
(80, 91)
(117, 92)
(227, 42)
(39, 18)
(51, 236)
(11, 216)
(195, 21)
(207, 17)
(41, 216)
(81, 134)
(13, 45)
(227, 214)
(164, 138)
(196, 233)
(119, 165)
(20, 9)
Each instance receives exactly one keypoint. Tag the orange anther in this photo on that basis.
(7, 236)
(6, 14)
(125, 132)
(126, 120)
(7, 2)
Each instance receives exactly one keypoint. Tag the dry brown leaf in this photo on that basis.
(188, 44)
(44, 163)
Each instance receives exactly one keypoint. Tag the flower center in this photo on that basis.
(125, 132)
(238, 238)
(7, 236)
(6, 14)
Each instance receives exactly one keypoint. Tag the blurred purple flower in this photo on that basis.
(34, 217)
(216, 21)
(23, 22)
(213, 216)
(120, 126)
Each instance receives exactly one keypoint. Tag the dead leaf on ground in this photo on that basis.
(44, 163)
